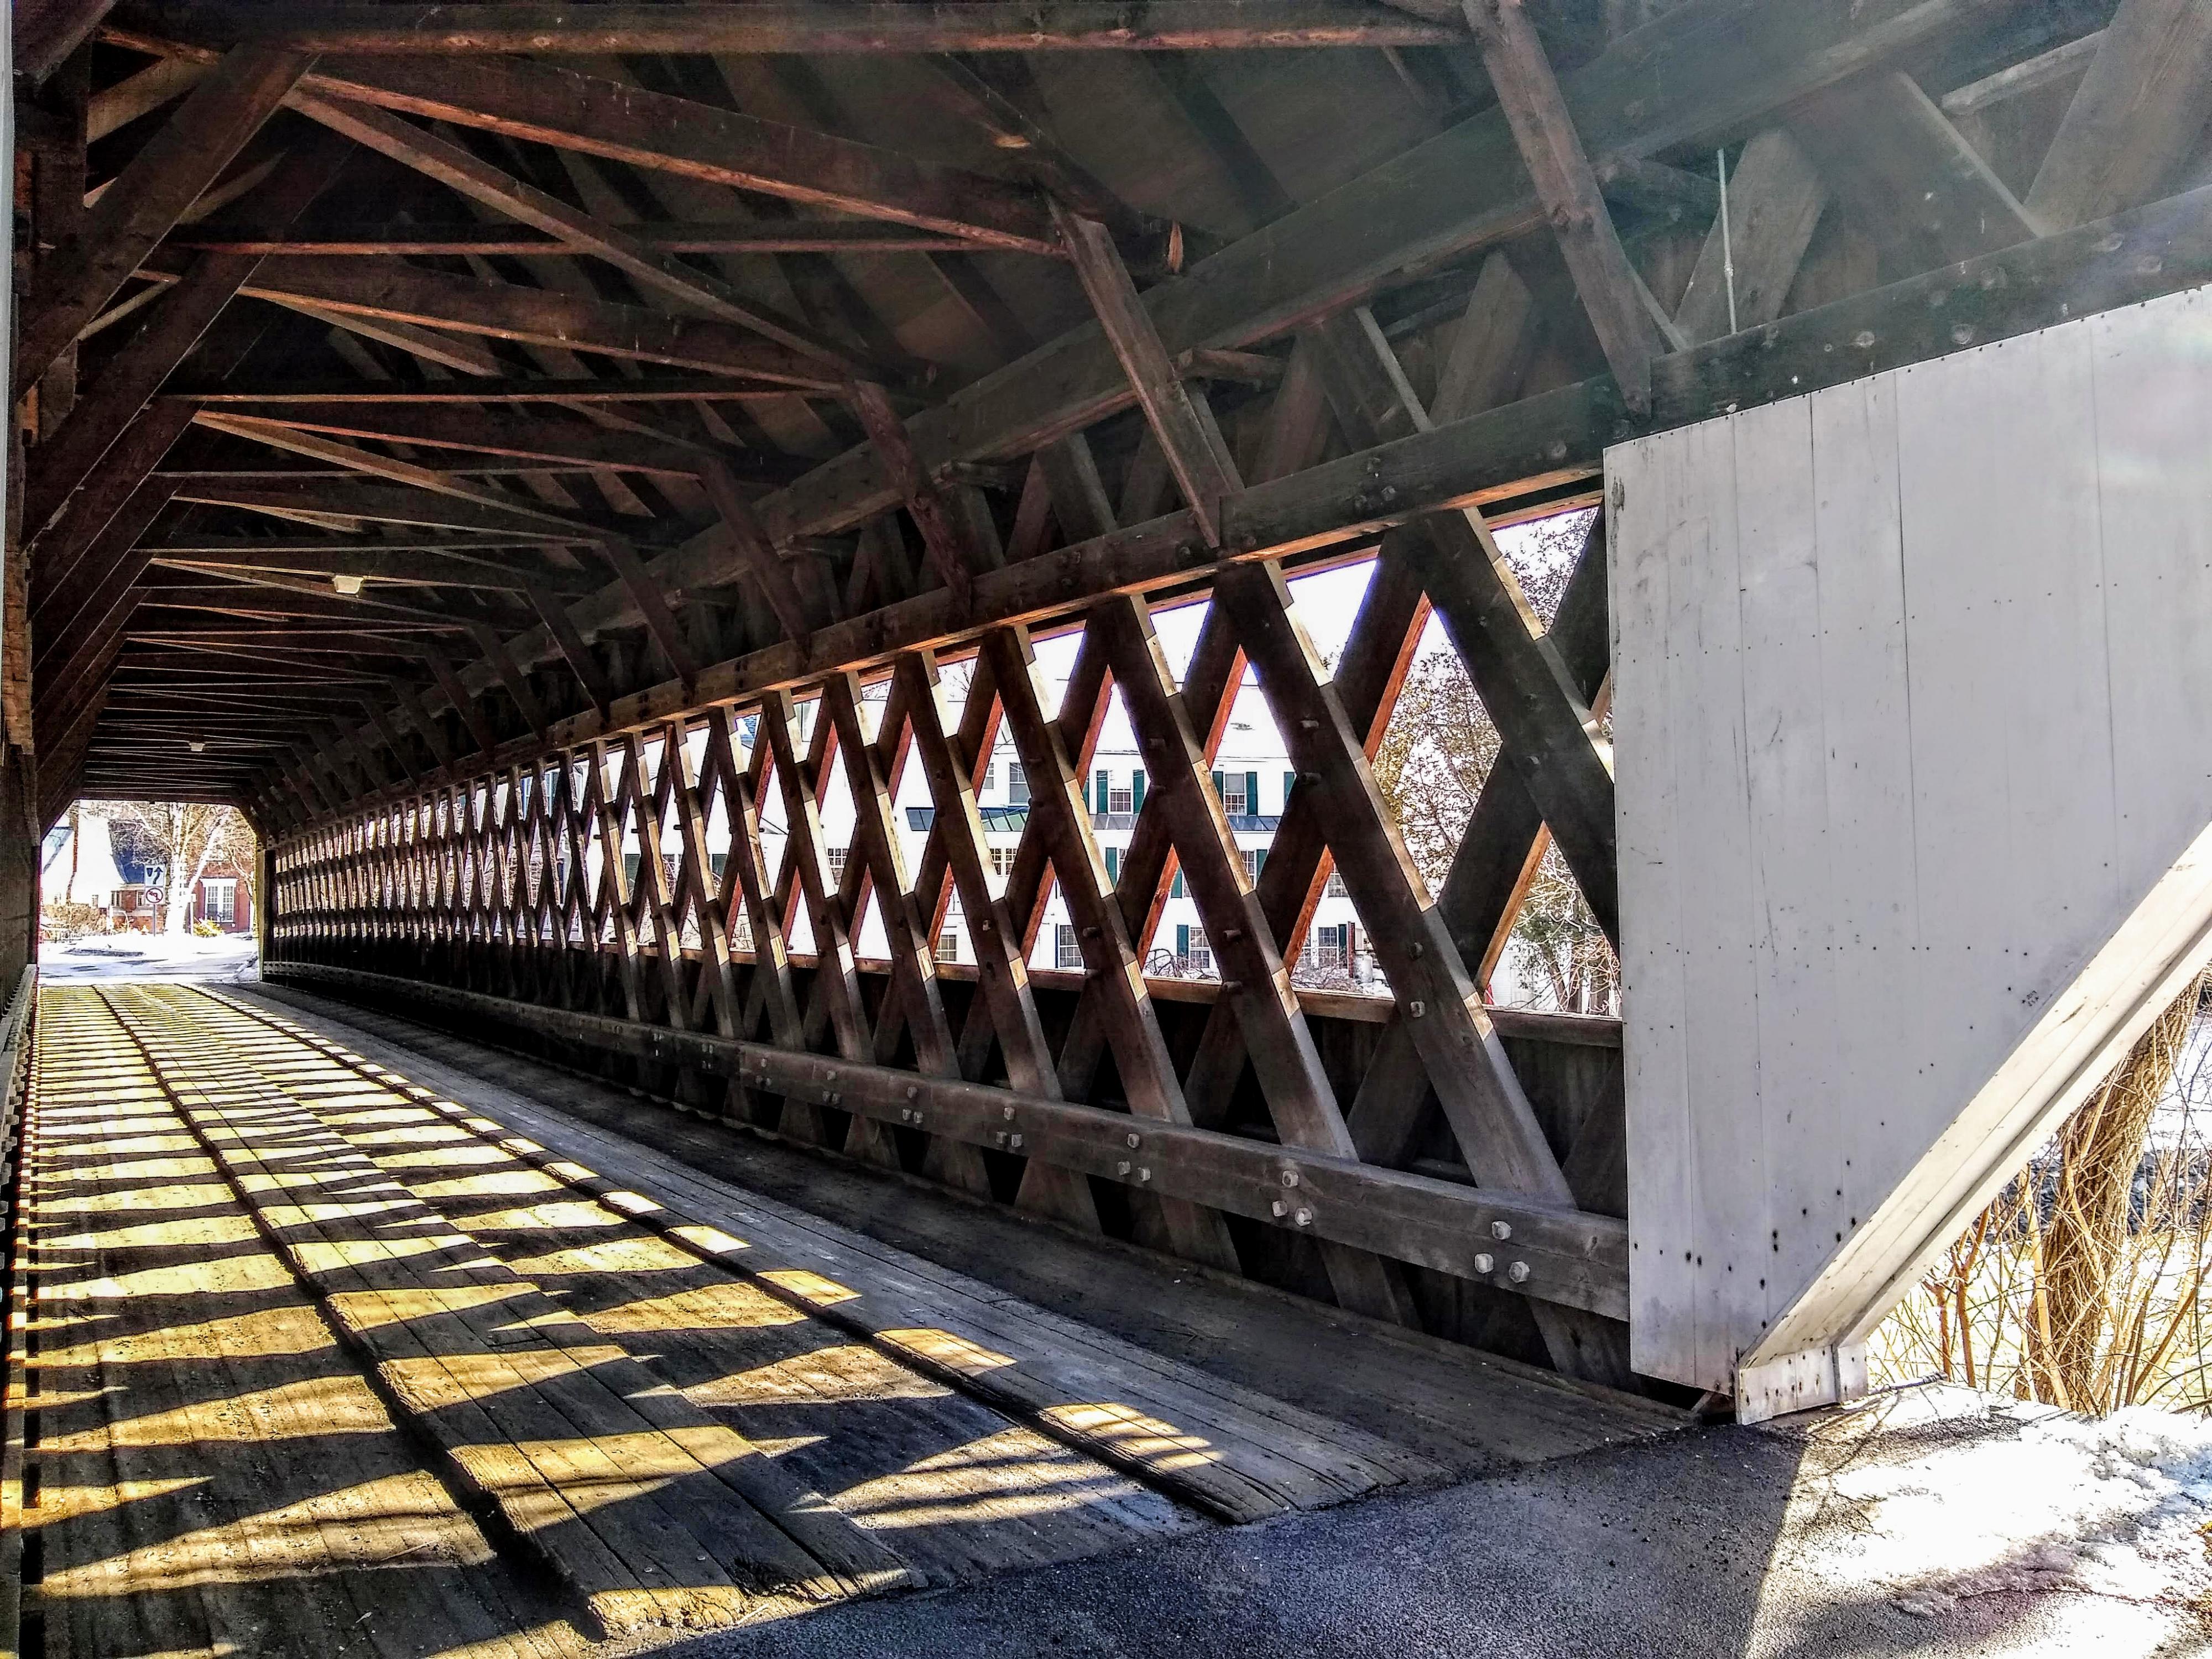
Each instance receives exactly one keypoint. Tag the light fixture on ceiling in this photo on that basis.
(349, 586)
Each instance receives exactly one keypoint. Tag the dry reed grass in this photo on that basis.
(2084, 1284)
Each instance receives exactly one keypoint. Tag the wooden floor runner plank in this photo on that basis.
(518, 1395)
(220, 1479)
(966, 1490)
(1229, 1451)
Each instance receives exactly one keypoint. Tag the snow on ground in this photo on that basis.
(232, 958)
(2018, 1521)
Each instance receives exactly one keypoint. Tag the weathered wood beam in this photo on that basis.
(1575, 1260)
(2134, 118)
(386, 503)
(552, 442)
(704, 236)
(562, 390)
(47, 32)
(530, 316)
(1619, 306)
(528, 98)
(809, 30)
(372, 562)
(1920, 188)
(147, 199)
(462, 170)
(1743, 274)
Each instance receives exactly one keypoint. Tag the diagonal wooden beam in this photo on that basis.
(1193, 455)
(754, 549)
(1743, 273)
(462, 170)
(2134, 118)
(151, 194)
(489, 431)
(1620, 308)
(1917, 186)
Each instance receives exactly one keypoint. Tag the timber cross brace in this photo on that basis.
(547, 462)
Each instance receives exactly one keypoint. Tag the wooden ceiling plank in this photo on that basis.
(490, 432)
(147, 199)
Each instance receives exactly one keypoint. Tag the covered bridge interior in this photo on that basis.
(535, 460)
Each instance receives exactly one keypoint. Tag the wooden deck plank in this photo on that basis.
(1428, 1404)
(272, 1500)
(617, 1275)
(459, 1336)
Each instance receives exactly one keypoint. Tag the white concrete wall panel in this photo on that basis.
(1912, 714)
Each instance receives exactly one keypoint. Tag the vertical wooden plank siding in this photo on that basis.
(1907, 814)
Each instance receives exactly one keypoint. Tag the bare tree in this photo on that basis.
(192, 835)
(1435, 754)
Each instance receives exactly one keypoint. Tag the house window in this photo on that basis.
(1018, 784)
(1119, 799)
(837, 857)
(1330, 947)
(990, 774)
(219, 902)
(1002, 860)
(948, 945)
(1067, 951)
(1197, 952)
(1236, 798)
(1255, 859)
(1335, 887)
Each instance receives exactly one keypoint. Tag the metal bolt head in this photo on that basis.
(1144, 1172)
(1484, 1261)
(1136, 1141)
(1122, 1167)
(1010, 1114)
(913, 1090)
(1278, 1207)
(1014, 1141)
(1501, 1230)
(1290, 1177)
(1303, 1217)
(1417, 1009)
(1518, 1273)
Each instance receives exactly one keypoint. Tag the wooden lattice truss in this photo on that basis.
(575, 514)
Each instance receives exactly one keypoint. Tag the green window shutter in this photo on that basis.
(1252, 793)
(1176, 890)
(1100, 779)
(1217, 784)
(1290, 782)
(1113, 864)
(1137, 791)
(1260, 864)
(1183, 938)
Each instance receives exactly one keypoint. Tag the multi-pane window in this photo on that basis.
(1255, 859)
(990, 773)
(1334, 888)
(1002, 860)
(1233, 801)
(1067, 950)
(219, 902)
(1201, 954)
(1120, 798)
(948, 945)
(1018, 784)
(1330, 947)
(837, 857)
